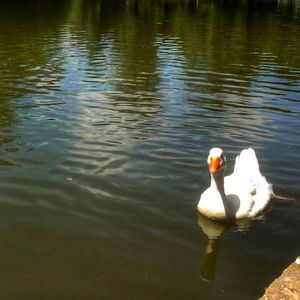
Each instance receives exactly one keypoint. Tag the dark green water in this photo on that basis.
(107, 112)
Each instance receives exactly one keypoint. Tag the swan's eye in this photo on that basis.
(222, 158)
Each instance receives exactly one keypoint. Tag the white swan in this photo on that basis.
(243, 194)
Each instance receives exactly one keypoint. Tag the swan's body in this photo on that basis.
(243, 194)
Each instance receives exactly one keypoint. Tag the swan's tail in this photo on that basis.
(246, 163)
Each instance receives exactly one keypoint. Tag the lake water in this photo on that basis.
(107, 112)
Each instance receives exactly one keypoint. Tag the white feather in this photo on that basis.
(247, 192)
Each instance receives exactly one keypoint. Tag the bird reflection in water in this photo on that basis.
(213, 230)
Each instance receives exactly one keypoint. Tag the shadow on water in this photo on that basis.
(111, 27)
(29, 39)
(29, 42)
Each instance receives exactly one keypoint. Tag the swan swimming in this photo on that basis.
(243, 194)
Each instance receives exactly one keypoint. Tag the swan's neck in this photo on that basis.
(217, 182)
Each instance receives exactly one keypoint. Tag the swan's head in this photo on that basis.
(216, 160)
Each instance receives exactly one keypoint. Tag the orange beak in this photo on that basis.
(214, 164)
